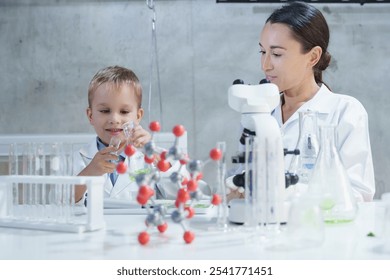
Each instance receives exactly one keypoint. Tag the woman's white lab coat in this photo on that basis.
(125, 186)
(353, 142)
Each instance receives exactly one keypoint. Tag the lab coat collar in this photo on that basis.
(88, 152)
(321, 102)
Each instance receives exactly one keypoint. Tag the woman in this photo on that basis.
(293, 47)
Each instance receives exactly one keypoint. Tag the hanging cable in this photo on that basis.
(154, 58)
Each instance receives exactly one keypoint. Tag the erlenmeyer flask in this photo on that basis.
(303, 164)
(330, 183)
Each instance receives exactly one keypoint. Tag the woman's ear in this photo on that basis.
(315, 55)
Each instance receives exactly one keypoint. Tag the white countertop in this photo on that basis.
(119, 241)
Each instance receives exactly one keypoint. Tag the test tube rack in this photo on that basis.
(17, 212)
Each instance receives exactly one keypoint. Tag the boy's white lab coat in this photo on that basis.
(125, 186)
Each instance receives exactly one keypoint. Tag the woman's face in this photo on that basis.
(282, 59)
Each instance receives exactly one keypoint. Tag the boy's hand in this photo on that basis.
(101, 163)
(140, 136)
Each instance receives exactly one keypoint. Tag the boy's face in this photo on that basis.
(111, 107)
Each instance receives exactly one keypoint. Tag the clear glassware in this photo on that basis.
(128, 130)
(222, 219)
(32, 163)
(13, 169)
(51, 201)
(251, 202)
(385, 246)
(13, 159)
(214, 173)
(330, 183)
(308, 145)
(268, 185)
(115, 142)
(69, 189)
(305, 225)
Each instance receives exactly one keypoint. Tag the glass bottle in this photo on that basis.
(330, 183)
(308, 146)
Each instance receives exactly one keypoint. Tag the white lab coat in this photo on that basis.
(125, 186)
(352, 136)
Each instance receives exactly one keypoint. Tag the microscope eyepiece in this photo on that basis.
(238, 82)
(263, 81)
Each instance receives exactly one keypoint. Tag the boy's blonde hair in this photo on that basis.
(118, 76)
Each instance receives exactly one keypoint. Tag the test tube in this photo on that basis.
(56, 190)
(13, 198)
(251, 203)
(222, 219)
(69, 203)
(266, 163)
(39, 190)
(30, 165)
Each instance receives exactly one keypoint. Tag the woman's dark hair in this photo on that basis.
(308, 27)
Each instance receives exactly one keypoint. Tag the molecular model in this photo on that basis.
(187, 182)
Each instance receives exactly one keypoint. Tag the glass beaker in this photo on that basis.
(303, 164)
(330, 183)
(128, 130)
(305, 226)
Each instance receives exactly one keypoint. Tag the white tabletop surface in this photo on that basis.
(119, 241)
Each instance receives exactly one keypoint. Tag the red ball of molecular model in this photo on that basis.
(188, 194)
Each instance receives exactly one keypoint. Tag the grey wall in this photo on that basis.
(50, 49)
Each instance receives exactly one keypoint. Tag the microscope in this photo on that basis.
(266, 179)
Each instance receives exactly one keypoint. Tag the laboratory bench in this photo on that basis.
(362, 239)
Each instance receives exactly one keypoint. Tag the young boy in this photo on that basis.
(114, 98)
